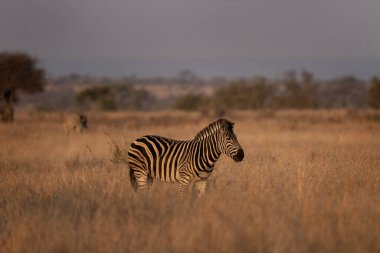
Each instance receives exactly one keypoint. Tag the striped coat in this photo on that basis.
(159, 158)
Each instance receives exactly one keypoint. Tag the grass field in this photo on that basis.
(310, 182)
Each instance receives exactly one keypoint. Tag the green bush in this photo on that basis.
(115, 96)
(100, 96)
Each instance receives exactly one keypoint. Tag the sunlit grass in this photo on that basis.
(309, 183)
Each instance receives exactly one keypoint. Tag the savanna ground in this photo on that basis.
(310, 182)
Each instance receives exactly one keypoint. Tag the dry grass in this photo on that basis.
(310, 182)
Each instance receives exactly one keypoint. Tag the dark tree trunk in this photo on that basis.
(7, 111)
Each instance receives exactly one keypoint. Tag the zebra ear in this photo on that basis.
(230, 126)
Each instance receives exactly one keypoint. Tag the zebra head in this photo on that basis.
(228, 142)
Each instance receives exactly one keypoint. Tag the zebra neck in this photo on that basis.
(207, 152)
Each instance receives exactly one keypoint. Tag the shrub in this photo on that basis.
(190, 102)
(374, 94)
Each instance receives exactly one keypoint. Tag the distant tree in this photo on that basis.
(263, 92)
(190, 102)
(236, 95)
(128, 97)
(115, 96)
(291, 93)
(187, 76)
(297, 92)
(99, 96)
(309, 89)
(374, 93)
(18, 73)
(347, 91)
(244, 95)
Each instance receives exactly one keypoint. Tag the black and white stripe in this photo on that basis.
(154, 157)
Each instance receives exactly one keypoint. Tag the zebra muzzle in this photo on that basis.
(239, 156)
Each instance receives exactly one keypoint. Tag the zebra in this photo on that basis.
(74, 122)
(155, 157)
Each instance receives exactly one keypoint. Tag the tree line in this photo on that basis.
(21, 73)
(292, 91)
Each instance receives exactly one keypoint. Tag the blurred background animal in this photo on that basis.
(75, 122)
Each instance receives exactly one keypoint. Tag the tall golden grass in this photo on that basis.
(310, 182)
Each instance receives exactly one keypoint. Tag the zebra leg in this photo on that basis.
(183, 186)
(133, 179)
(184, 182)
(143, 180)
(200, 187)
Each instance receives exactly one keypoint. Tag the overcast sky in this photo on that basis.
(192, 29)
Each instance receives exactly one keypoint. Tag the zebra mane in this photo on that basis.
(213, 128)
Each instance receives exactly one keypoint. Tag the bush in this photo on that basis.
(116, 96)
(100, 96)
(128, 97)
(374, 94)
(244, 95)
(190, 102)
